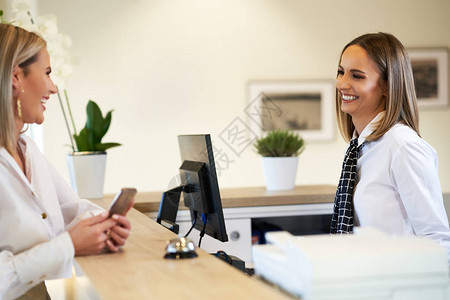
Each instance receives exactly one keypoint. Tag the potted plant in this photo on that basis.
(87, 162)
(280, 150)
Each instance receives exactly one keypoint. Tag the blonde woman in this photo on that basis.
(390, 174)
(43, 223)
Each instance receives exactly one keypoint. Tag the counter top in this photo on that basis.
(139, 270)
(248, 197)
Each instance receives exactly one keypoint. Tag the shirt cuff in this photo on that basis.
(85, 215)
(49, 260)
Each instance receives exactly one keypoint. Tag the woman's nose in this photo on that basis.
(53, 88)
(342, 83)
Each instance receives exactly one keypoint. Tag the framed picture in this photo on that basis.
(305, 107)
(430, 69)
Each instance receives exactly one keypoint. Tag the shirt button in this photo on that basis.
(44, 215)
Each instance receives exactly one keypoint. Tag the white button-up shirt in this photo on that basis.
(398, 189)
(35, 210)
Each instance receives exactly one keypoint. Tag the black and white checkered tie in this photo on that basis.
(342, 220)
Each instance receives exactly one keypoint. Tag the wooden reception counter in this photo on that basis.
(148, 202)
(139, 271)
(242, 207)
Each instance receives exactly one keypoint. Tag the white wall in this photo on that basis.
(182, 66)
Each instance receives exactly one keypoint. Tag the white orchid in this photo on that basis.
(58, 45)
(20, 6)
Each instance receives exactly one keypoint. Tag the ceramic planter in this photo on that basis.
(280, 172)
(87, 173)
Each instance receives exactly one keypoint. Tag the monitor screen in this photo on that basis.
(201, 189)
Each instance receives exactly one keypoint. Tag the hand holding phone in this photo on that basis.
(122, 202)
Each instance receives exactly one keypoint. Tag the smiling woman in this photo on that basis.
(32, 87)
(362, 92)
(53, 223)
(389, 176)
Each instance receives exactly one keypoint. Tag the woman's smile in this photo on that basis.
(43, 102)
(346, 97)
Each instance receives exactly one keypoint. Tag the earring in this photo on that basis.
(19, 108)
(19, 105)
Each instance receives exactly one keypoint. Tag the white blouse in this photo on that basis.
(398, 189)
(35, 211)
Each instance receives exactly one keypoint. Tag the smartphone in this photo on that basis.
(122, 202)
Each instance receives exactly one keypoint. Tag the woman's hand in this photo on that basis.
(118, 233)
(89, 235)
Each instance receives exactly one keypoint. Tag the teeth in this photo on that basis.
(43, 101)
(348, 98)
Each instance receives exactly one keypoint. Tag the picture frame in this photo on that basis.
(430, 70)
(305, 107)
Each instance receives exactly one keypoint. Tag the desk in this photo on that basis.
(148, 202)
(241, 206)
(139, 271)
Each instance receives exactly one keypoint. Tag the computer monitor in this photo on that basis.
(199, 187)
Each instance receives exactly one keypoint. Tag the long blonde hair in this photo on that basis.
(18, 47)
(394, 67)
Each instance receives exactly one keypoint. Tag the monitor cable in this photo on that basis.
(193, 225)
(202, 233)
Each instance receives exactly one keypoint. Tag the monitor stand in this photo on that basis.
(168, 208)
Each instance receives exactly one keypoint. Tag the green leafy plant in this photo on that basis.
(90, 137)
(280, 143)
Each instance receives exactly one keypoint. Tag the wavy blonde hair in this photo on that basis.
(394, 67)
(18, 47)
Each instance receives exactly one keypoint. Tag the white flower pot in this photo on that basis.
(280, 172)
(87, 173)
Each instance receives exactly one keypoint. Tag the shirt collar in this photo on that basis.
(25, 150)
(14, 167)
(369, 128)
